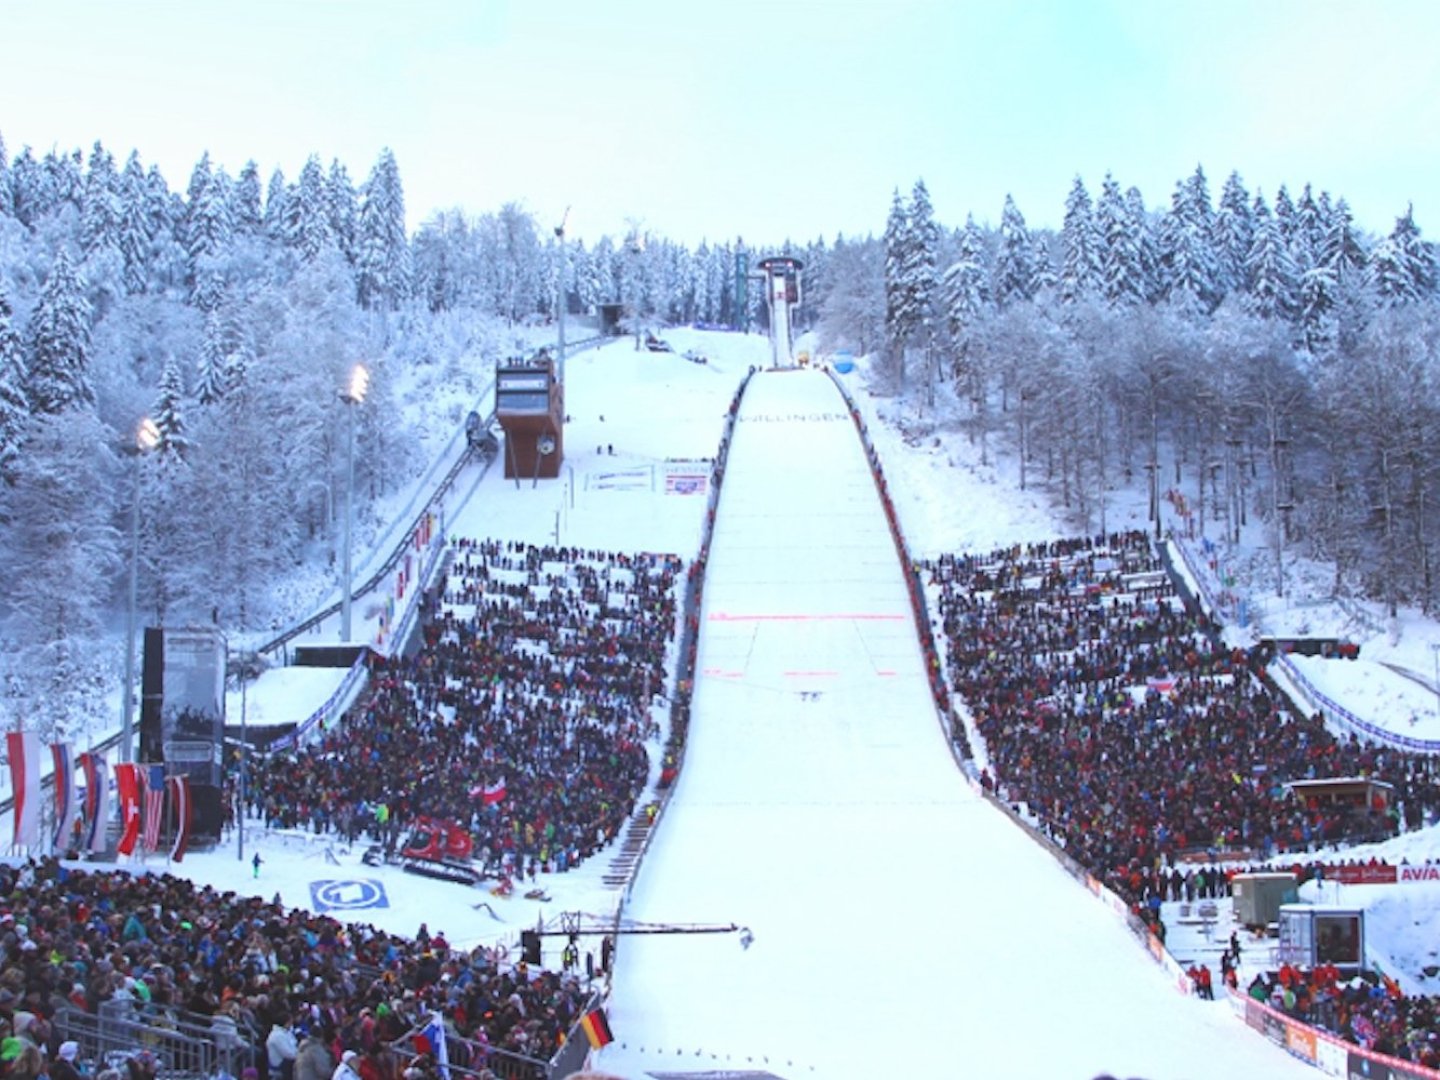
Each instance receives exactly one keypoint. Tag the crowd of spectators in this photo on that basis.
(1117, 717)
(276, 985)
(1367, 1010)
(539, 672)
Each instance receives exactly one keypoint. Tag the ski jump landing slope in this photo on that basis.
(901, 925)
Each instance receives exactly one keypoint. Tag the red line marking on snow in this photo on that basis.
(885, 674)
(721, 673)
(811, 674)
(867, 616)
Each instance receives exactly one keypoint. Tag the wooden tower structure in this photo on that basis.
(530, 406)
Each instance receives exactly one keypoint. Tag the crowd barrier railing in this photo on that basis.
(1328, 1053)
(919, 606)
(1337, 713)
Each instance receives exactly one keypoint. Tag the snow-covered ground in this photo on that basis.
(900, 924)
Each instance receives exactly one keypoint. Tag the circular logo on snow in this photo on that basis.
(348, 894)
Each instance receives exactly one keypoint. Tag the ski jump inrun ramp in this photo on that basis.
(901, 925)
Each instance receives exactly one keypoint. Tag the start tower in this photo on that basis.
(530, 405)
(782, 296)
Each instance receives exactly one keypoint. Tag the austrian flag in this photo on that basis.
(24, 750)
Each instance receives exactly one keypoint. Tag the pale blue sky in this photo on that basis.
(768, 120)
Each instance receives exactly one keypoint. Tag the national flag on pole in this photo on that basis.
(66, 804)
(97, 800)
(596, 1028)
(152, 791)
(430, 1039)
(127, 787)
(24, 750)
(181, 806)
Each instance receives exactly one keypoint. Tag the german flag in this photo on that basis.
(596, 1028)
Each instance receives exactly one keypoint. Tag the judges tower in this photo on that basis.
(530, 405)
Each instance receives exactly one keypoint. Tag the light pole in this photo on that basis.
(561, 297)
(244, 760)
(147, 437)
(353, 395)
(636, 247)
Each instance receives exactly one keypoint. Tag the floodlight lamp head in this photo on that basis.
(359, 384)
(147, 435)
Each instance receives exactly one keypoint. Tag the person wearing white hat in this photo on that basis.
(66, 1065)
(349, 1067)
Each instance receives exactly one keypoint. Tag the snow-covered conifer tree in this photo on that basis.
(343, 207)
(1146, 248)
(134, 229)
(1121, 279)
(100, 214)
(59, 343)
(246, 216)
(277, 207)
(382, 247)
(1284, 213)
(1273, 284)
(59, 560)
(1402, 266)
(14, 402)
(1014, 278)
(168, 411)
(1234, 232)
(7, 190)
(1080, 247)
(894, 242)
(308, 227)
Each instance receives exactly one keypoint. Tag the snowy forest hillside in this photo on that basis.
(1267, 348)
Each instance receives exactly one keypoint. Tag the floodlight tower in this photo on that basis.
(782, 294)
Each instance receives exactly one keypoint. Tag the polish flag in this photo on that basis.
(491, 794)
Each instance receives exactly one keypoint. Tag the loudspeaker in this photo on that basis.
(208, 809)
(152, 695)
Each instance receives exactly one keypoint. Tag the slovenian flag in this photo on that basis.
(430, 1039)
(596, 1028)
(66, 805)
(24, 750)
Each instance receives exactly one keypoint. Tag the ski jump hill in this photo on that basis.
(899, 924)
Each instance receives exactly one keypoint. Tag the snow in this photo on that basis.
(282, 695)
(901, 924)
